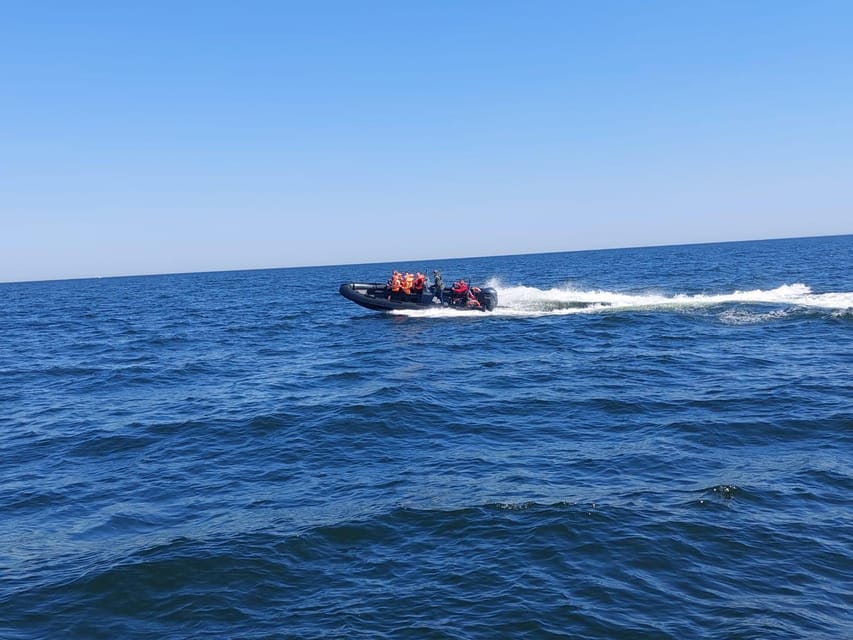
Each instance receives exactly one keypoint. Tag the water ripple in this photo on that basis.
(649, 443)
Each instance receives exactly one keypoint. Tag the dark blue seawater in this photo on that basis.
(639, 443)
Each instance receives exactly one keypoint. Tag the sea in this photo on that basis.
(637, 443)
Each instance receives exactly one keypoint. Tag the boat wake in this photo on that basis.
(519, 300)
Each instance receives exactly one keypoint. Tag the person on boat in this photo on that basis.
(438, 286)
(408, 283)
(471, 300)
(395, 284)
(420, 281)
(458, 291)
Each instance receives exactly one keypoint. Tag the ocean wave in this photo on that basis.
(564, 560)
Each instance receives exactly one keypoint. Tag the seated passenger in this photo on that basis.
(471, 300)
(420, 281)
(394, 284)
(458, 291)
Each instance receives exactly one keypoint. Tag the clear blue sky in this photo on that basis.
(154, 137)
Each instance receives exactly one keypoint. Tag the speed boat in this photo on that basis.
(379, 297)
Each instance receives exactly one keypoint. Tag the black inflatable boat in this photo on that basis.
(378, 297)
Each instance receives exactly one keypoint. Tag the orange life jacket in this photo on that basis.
(460, 287)
(420, 281)
(408, 281)
(395, 283)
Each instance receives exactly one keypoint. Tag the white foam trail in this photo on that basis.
(440, 312)
(521, 300)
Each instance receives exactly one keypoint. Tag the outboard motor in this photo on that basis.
(488, 297)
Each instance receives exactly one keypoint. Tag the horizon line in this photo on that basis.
(346, 264)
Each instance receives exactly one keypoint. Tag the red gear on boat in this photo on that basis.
(459, 287)
(420, 281)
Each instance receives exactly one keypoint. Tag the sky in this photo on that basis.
(164, 137)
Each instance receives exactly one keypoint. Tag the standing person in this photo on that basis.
(438, 286)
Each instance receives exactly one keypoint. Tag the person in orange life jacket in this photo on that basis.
(459, 287)
(408, 281)
(420, 281)
(395, 283)
(457, 292)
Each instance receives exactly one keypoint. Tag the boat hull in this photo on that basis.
(376, 296)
